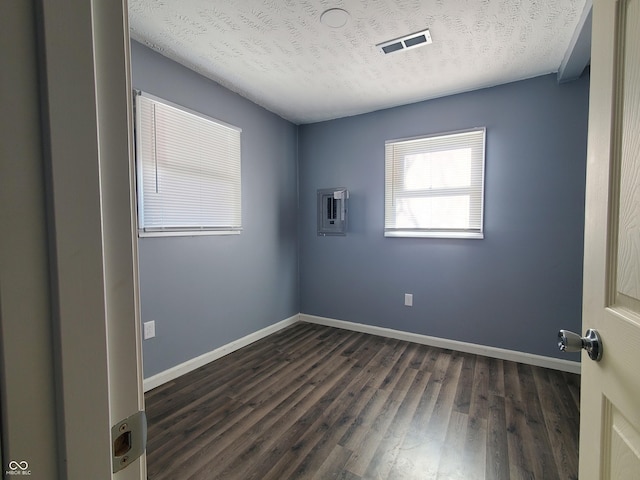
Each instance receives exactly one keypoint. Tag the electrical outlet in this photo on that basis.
(408, 299)
(149, 329)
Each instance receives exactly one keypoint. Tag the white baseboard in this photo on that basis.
(190, 365)
(501, 353)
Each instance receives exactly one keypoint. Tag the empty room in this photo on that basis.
(353, 239)
(319, 107)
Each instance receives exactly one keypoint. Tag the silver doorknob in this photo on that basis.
(572, 342)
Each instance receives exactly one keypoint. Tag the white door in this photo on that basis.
(610, 392)
(76, 128)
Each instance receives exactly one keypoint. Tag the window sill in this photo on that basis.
(187, 233)
(423, 234)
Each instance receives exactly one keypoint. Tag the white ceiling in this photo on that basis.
(278, 54)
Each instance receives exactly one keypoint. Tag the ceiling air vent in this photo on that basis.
(407, 42)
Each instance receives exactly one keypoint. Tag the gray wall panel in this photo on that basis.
(512, 290)
(204, 292)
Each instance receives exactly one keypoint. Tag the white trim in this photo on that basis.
(427, 234)
(494, 352)
(185, 233)
(197, 362)
(501, 353)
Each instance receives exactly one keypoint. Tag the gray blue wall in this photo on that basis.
(204, 292)
(512, 290)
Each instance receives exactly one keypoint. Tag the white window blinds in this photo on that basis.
(434, 186)
(188, 171)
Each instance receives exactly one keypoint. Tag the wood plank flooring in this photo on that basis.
(314, 402)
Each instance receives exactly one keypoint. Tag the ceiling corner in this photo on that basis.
(578, 54)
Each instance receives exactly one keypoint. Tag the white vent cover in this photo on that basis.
(407, 42)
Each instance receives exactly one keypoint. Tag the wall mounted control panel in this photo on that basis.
(332, 211)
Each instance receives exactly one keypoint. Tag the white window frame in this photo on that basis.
(188, 171)
(396, 152)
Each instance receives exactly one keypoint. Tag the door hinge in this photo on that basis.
(129, 437)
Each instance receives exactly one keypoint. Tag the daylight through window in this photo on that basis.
(188, 171)
(434, 186)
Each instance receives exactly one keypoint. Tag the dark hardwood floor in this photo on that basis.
(321, 403)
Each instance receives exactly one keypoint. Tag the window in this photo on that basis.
(434, 185)
(188, 171)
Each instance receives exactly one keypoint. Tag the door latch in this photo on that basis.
(129, 437)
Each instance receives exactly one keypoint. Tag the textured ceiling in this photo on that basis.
(278, 54)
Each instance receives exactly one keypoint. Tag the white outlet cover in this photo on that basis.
(149, 329)
(408, 299)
